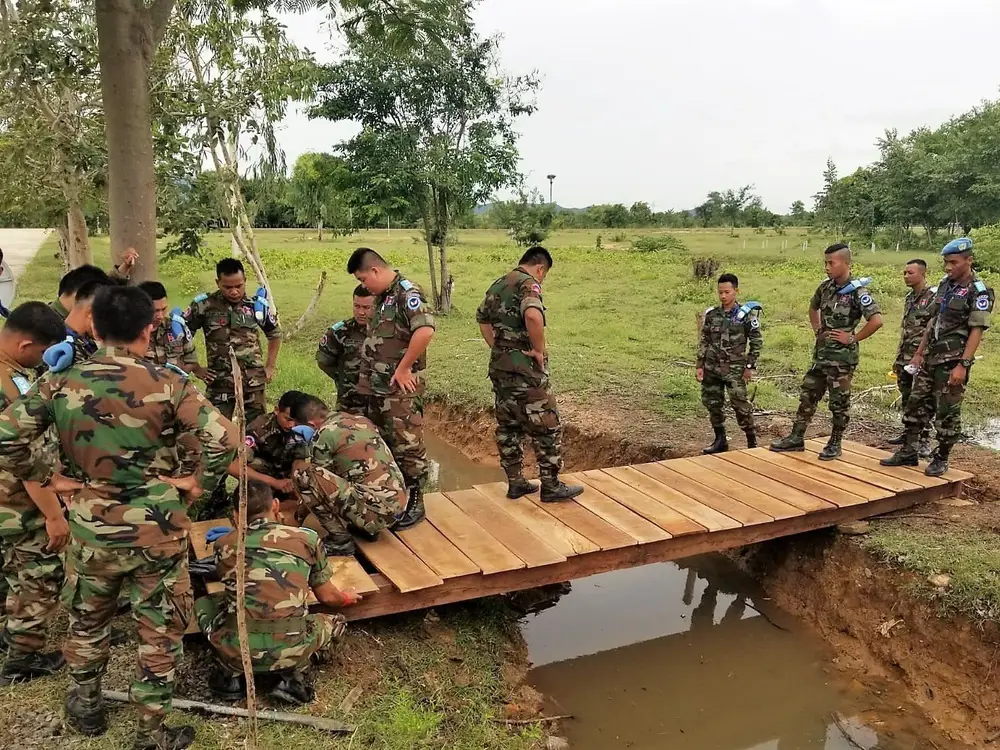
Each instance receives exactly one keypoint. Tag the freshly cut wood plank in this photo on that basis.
(502, 527)
(737, 511)
(563, 539)
(579, 516)
(797, 499)
(710, 518)
(907, 474)
(952, 475)
(855, 472)
(439, 554)
(474, 541)
(760, 502)
(666, 518)
(831, 494)
(396, 562)
(854, 486)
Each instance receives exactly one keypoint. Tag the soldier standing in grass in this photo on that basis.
(960, 314)
(171, 341)
(917, 311)
(392, 358)
(724, 362)
(339, 354)
(512, 322)
(834, 312)
(117, 415)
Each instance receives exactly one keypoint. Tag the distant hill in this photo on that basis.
(479, 210)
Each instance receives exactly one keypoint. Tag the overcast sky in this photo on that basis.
(665, 100)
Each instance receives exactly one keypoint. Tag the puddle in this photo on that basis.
(986, 434)
(456, 470)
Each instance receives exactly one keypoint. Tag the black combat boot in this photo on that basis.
(557, 491)
(163, 737)
(225, 685)
(24, 667)
(900, 439)
(905, 456)
(291, 687)
(519, 487)
(720, 445)
(924, 449)
(832, 450)
(339, 545)
(85, 708)
(939, 464)
(751, 439)
(794, 442)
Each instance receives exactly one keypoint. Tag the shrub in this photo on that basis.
(987, 247)
(705, 268)
(653, 243)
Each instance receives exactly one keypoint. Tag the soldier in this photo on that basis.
(724, 362)
(79, 342)
(351, 478)
(834, 312)
(273, 447)
(116, 415)
(73, 280)
(512, 322)
(917, 310)
(32, 525)
(283, 563)
(960, 314)
(399, 333)
(171, 340)
(339, 353)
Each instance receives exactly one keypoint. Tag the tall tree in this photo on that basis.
(317, 190)
(734, 202)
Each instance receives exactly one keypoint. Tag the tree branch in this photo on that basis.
(310, 310)
(159, 15)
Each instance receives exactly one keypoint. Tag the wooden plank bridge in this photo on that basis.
(477, 543)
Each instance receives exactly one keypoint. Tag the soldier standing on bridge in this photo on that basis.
(960, 315)
(834, 312)
(512, 322)
(724, 362)
(339, 354)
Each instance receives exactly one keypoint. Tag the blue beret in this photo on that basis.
(961, 245)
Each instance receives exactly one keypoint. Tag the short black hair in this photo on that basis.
(154, 289)
(259, 498)
(309, 408)
(836, 248)
(361, 291)
(364, 258)
(917, 262)
(289, 399)
(38, 322)
(121, 313)
(229, 267)
(535, 256)
(730, 278)
(76, 278)
(89, 288)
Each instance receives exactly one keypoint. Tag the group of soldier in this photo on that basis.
(941, 330)
(107, 451)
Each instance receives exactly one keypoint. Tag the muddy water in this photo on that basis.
(680, 656)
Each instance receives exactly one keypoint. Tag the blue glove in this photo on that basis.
(305, 432)
(262, 311)
(216, 532)
(59, 356)
(178, 326)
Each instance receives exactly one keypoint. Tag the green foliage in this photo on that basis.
(318, 190)
(652, 243)
(187, 243)
(527, 219)
(987, 247)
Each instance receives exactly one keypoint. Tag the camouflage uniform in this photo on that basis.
(166, 347)
(955, 310)
(339, 356)
(833, 364)
(57, 306)
(117, 417)
(399, 311)
(32, 575)
(283, 563)
(524, 405)
(917, 311)
(723, 355)
(351, 477)
(272, 450)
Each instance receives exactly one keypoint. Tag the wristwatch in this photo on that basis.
(967, 363)
(750, 366)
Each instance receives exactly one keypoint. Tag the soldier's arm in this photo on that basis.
(756, 340)
(873, 317)
(703, 342)
(189, 357)
(534, 321)
(814, 317)
(47, 501)
(421, 321)
(217, 435)
(21, 424)
(321, 582)
(328, 355)
(979, 321)
(273, 346)
(485, 327)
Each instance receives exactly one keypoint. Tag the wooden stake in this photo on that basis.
(310, 310)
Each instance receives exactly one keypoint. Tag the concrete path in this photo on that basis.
(19, 247)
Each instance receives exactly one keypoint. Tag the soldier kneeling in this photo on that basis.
(282, 564)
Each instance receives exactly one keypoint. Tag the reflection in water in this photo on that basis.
(986, 434)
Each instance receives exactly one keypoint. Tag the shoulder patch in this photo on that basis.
(199, 299)
(755, 322)
(22, 384)
(250, 441)
(866, 299)
(337, 326)
(983, 302)
(980, 286)
(536, 288)
(407, 286)
(413, 302)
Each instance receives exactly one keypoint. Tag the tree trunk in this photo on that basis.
(425, 212)
(126, 41)
(78, 244)
(64, 247)
(443, 225)
(319, 230)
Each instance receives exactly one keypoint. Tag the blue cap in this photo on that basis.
(961, 245)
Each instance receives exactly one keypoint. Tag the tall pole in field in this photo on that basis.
(551, 179)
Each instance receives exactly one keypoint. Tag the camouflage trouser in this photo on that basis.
(4, 590)
(713, 396)
(820, 378)
(352, 403)
(526, 407)
(335, 501)
(254, 403)
(284, 643)
(905, 382)
(34, 577)
(400, 422)
(932, 399)
(160, 594)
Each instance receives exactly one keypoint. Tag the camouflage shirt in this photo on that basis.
(957, 309)
(507, 299)
(228, 325)
(917, 310)
(724, 340)
(399, 311)
(118, 418)
(283, 563)
(339, 354)
(351, 447)
(165, 347)
(18, 512)
(272, 449)
(57, 306)
(840, 312)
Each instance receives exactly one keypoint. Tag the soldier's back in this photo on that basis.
(351, 447)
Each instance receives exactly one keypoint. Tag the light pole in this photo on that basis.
(551, 178)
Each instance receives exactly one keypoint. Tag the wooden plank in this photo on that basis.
(952, 475)
(396, 562)
(579, 515)
(855, 472)
(709, 518)
(741, 514)
(832, 494)
(565, 540)
(797, 499)
(439, 554)
(502, 527)
(854, 486)
(474, 541)
(666, 518)
(761, 503)
(907, 474)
